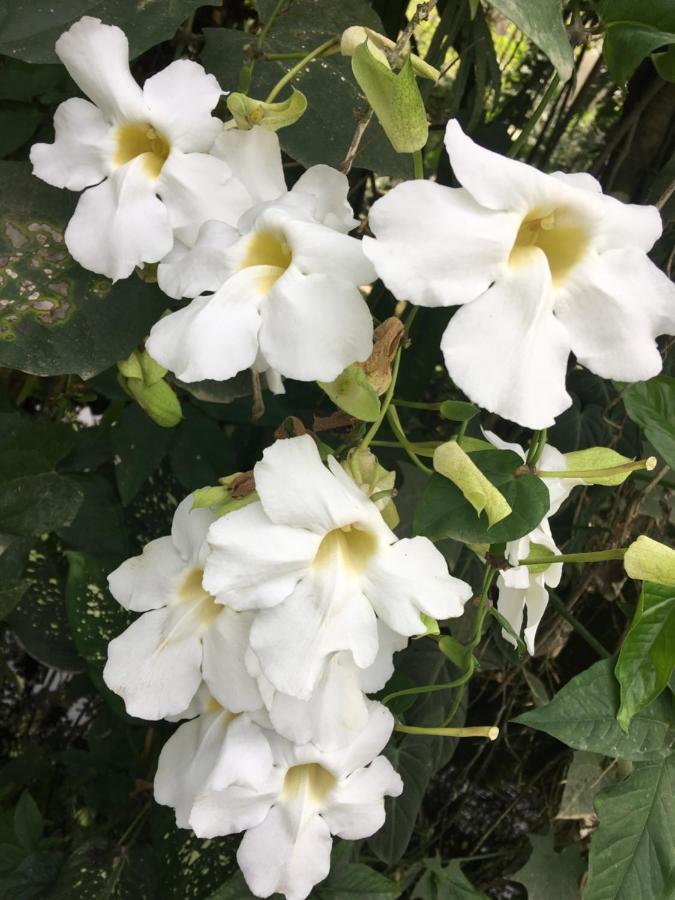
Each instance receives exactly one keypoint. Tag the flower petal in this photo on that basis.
(180, 99)
(212, 337)
(296, 489)
(314, 326)
(369, 743)
(189, 528)
(120, 224)
(151, 580)
(411, 577)
(217, 813)
(356, 808)
(511, 605)
(506, 350)
(97, 59)
(155, 665)
(613, 308)
(279, 856)
(76, 158)
(244, 757)
(436, 246)
(223, 669)
(328, 190)
(254, 157)
(536, 600)
(255, 563)
(324, 251)
(378, 674)
(190, 271)
(195, 188)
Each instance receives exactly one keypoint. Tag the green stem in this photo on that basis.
(536, 448)
(418, 164)
(517, 145)
(421, 449)
(268, 23)
(397, 428)
(372, 431)
(414, 404)
(487, 731)
(649, 464)
(593, 556)
(290, 75)
(583, 632)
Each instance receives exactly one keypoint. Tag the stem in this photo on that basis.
(487, 731)
(372, 431)
(536, 448)
(268, 23)
(421, 449)
(517, 145)
(290, 75)
(418, 164)
(649, 464)
(397, 428)
(583, 632)
(593, 556)
(414, 404)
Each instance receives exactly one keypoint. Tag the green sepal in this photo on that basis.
(598, 458)
(458, 410)
(456, 465)
(649, 560)
(248, 112)
(351, 391)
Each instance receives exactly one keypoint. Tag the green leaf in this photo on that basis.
(38, 503)
(632, 851)
(585, 777)
(347, 880)
(139, 447)
(18, 122)
(651, 404)
(11, 592)
(551, 874)
(32, 444)
(456, 465)
(444, 512)
(30, 29)
(98, 528)
(440, 882)
(583, 716)
(647, 656)
(201, 453)
(28, 822)
(633, 32)
(352, 392)
(56, 317)
(458, 410)
(542, 22)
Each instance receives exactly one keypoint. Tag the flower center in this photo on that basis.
(140, 139)
(558, 233)
(268, 248)
(310, 779)
(191, 592)
(350, 547)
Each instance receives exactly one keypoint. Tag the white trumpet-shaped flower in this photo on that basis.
(284, 281)
(316, 561)
(183, 637)
(544, 265)
(308, 797)
(141, 156)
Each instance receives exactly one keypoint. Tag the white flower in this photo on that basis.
(145, 150)
(285, 280)
(545, 265)
(217, 748)
(183, 636)
(319, 564)
(308, 797)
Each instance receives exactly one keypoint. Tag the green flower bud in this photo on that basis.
(584, 462)
(453, 463)
(143, 380)
(365, 470)
(352, 392)
(648, 560)
(248, 112)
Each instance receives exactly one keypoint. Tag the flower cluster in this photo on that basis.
(266, 628)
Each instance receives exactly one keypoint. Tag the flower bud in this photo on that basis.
(248, 112)
(352, 393)
(365, 470)
(379, 45)
(143, 380)
(456, 465)
(603, 458)
(648, 560)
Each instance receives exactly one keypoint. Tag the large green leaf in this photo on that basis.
(324, 132)
(439, 882)
(633, 850)
(443, 511)
(31, 444)
(651, 404)
(29, 28)
(139, 447)
(98, 527)
(634, 30)
(647, 656)
(55, 317)
(542, 21)
(37, 503)
(551, 874)
(583, 715)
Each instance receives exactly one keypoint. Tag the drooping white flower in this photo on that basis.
(140, 155)
(284, 280)
(217, 748)
(543, 265)
(316, 561)
(308, 797)
(183, 637)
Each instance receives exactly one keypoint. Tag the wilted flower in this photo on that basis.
(545, 265)
(141, 153)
